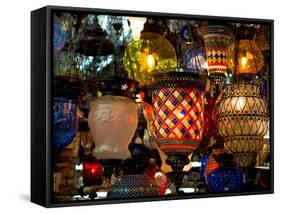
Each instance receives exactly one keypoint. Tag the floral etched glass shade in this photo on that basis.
(151, 52)
(217, 39)
(178, 112)
(65, 122)
(112, 122)
(250, 58)
(242, 119)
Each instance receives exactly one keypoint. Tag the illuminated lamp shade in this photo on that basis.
(242, 119)
(92, 172)
(113, 119)
(151, 52)
(178, 115)
(136, 24)
(250, 58)
(65, 123)
(217, 39)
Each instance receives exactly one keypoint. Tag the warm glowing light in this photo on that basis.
(239, 103)
(136, 24)
(244, 62)
(250, 59)
(150, 62)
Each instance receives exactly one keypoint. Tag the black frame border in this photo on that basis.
(49, 65)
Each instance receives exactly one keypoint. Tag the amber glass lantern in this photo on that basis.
(178, 115)
(242, 119)
(244, 49)
(217, 38)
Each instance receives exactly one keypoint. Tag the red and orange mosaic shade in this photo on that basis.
(178, 113)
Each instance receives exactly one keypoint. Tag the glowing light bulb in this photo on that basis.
(150, 62)
(136, 24)
(244, 62)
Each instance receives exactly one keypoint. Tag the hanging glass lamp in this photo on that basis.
(217, 40)
(116, 113)
(178, 115)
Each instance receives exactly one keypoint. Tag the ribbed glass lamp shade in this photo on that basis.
(178, 112)
(151, 52)
(242, 119)
(65, 122)
(112, 122)
(217, 39)
(133, 186)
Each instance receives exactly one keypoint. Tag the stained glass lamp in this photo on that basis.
(217, 38)
(178, 115)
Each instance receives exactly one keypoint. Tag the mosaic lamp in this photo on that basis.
(178, 115)
(217, 38)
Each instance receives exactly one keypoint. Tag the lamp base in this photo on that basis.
(177, 162)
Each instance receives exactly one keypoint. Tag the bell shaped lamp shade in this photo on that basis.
(116, 115)
(242, 119)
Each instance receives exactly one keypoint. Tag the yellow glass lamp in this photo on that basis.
(152, 52)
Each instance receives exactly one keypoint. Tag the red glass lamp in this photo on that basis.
(92, 172)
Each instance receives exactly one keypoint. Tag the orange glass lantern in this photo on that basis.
(244, 49)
